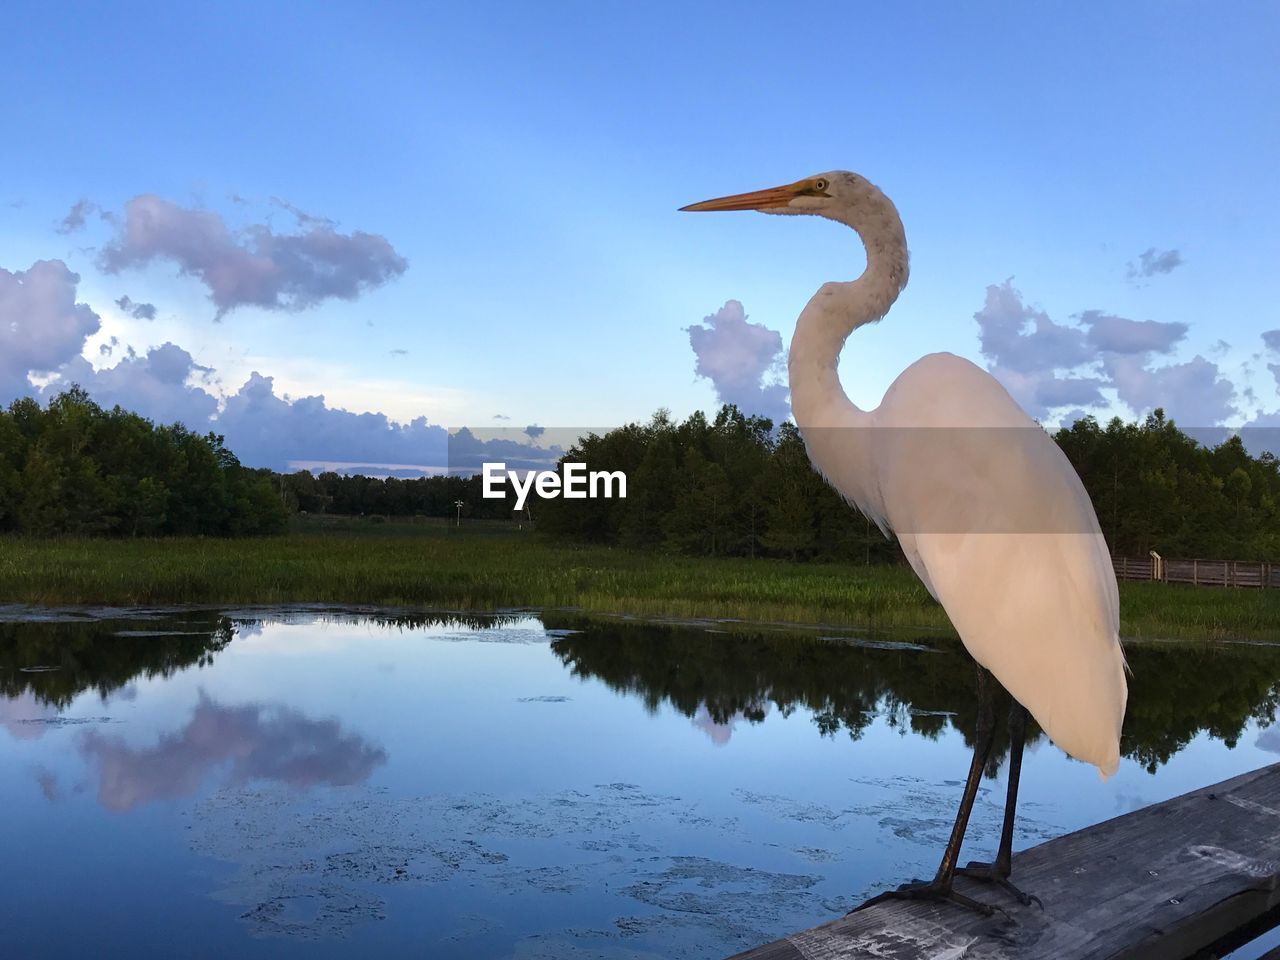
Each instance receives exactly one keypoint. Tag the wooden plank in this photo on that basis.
(1161, 883)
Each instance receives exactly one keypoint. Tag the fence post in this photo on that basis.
(1195, 572)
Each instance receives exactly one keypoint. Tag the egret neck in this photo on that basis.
(834, 428)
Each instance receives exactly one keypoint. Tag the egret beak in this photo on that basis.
(756, 200)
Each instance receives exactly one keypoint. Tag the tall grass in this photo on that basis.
(434, 566)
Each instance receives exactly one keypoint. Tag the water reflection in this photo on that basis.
(500, 787)
(921, 686)
(720, 732)
(1177, 692)
(25, 716)
(259, 742)
(56, 661)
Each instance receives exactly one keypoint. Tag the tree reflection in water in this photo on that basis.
(734, 673)
(1178, 690)
(45, 666)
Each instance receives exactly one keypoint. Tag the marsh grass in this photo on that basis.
(489, 568)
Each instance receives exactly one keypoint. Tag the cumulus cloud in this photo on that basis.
(256, 742)
(520, 450)
(1271, 339)
(76, 216)
(264, 429)
(44, 330)
(139, 311)
(1152, 261)
(160, 385)
(41, 324)
(255, 266)
(1015, 336)
(399, 352)
(1112, 334)
(267, 430)
(1193, 393)
(1024, 348)
(1047, 365)
(533, 431)
(743, 361)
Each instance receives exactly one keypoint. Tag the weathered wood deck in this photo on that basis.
(1179, 879)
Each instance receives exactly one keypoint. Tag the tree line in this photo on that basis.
(730, 485)
(734, 486)
(76, 469)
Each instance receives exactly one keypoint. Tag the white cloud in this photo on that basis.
(43, 331)
(1112, 334)
(257, 267)
(160, 385)
(1047, 365)
(41, 324)
(1016, 337)
(266, 430)
(743, 361)
(1193, 393)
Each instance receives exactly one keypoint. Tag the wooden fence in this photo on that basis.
(1207, 573)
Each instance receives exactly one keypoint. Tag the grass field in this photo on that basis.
(486, 568)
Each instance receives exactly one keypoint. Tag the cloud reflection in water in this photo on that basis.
(259, 741)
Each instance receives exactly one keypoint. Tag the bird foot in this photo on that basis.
(990, 873)
(931, 890)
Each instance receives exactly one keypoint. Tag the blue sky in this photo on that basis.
(523, 164)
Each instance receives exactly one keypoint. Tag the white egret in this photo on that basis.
(988, 510)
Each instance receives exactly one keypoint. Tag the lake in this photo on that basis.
(309, 782)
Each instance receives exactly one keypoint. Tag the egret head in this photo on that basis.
(835, 195)
(839, 195)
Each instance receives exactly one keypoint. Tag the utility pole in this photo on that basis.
(459, 504)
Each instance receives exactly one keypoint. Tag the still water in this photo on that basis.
(304, 782)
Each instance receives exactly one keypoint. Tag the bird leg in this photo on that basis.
(997, 872)
(940, 887)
